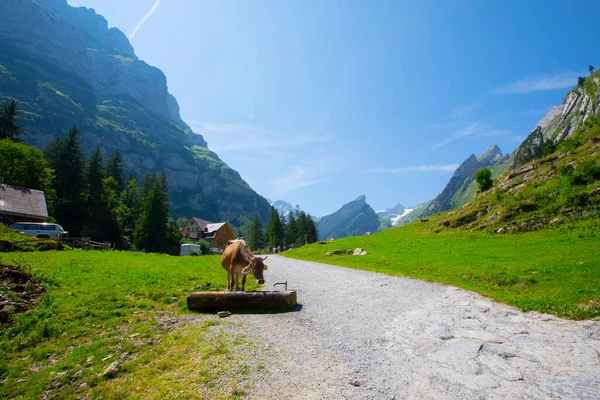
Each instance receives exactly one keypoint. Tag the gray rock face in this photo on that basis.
(550, 115)
(65, 67)
(560, 122)
(490, 156)
(531, 148)
(78, 40)
(93, 25)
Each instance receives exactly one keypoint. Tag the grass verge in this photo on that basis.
(103, 307)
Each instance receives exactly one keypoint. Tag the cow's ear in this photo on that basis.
(265, 267)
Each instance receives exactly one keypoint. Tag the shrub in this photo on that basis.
(586, 172)
(204, 247)
(484, 179)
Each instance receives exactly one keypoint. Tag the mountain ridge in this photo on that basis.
(353, 218)
(458, 185)
(559, 123)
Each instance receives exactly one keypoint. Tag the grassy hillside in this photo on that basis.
(545, 191)
(532, 241)
(102, 307)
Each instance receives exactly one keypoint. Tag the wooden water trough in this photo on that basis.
(266, 300)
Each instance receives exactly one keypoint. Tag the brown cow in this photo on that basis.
(237, 259)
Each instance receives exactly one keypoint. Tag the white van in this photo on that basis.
(190, 249)
(41, 230)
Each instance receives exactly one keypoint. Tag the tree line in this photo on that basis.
(89, 197)
(298, 230)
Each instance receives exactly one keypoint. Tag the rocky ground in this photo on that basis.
(362, 335)
(18, 291)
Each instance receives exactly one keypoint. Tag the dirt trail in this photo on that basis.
(363, 335)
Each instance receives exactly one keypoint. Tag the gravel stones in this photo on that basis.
(402, 338)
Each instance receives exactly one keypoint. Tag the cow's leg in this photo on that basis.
(229, 281)
(243, 282)
(236, 277)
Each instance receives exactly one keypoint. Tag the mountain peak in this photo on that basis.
(354, 218)
(490, 155)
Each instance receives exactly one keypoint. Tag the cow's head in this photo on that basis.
(256, 268)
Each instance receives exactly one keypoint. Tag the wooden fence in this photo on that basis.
(83, 242)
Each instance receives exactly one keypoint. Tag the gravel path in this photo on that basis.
(363, 335)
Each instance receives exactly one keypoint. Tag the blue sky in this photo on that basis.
(318, 102)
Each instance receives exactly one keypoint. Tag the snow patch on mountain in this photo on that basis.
(395, 213)
(404, 214)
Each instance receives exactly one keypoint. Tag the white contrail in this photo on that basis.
(148, 15)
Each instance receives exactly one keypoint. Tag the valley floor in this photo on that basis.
(364, 335)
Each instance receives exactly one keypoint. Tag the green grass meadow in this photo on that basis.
(100, 307)
(553, 271)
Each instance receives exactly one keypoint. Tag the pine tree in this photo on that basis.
(114, 168)
(291, 230)
(307, 229)
(54, 151)
(255, 237)
(312, 234)
(283, 228)
(101, 220)
(154, 230)
(95, 175)
(591, 69)
(8, 118)
(274, 229)
(127, 211)
(112, 227)
(68, 162)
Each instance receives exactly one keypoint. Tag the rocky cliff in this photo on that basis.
(65, 67)
(354, 218)
(560, 122)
